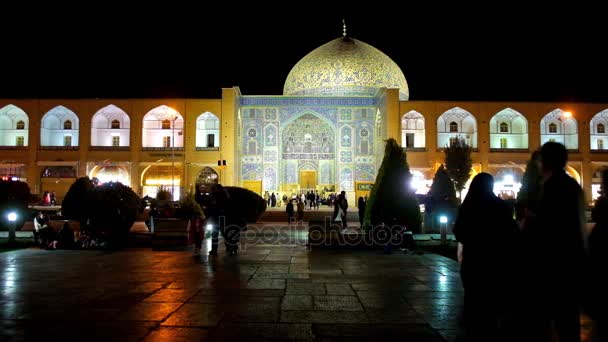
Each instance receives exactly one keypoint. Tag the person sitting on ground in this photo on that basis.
(40, 222)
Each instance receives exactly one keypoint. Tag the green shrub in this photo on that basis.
(109, 208)
(246, 202)
(188, 208)
(392, 200)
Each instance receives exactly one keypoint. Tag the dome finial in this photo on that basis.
(343, 28)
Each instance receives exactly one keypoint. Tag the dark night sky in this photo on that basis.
(498, 53)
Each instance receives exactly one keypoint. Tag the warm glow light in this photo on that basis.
(151, 181)
(567, 115)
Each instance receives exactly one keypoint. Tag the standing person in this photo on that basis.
(597, 303)
(196, 233)
(290, 212)
(340, 208)
(53, 198)
(300, 211)
(361, 206)
(46, 198)
(216, 213)
(486, 230)
(560, 245)
(267, 198)
(273, 200)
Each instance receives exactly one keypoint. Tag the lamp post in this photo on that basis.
(12, 218)
(173, 158)
(562, 119)
(443, 228)
(221, 164)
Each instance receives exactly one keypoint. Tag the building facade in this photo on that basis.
(326, 132)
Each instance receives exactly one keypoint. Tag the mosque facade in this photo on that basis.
(326, 132)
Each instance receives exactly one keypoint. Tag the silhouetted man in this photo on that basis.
(560, 244)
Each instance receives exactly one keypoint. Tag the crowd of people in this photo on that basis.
(529, 279)
(310, 199)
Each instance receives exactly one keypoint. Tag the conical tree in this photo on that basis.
(530, 183)
(458, 163)
(442, 190)
(392, 200)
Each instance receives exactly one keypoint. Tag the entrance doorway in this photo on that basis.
(308, 180)
(409, 140)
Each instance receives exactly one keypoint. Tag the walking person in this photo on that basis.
(560, 252)
(486, 232)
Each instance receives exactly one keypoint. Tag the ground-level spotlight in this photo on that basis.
(12, 217)
(443, 219)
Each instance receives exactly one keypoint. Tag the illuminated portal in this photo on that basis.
(14, 126)
(456, 123)
(111, 173)
(561, 127)
(59, 128)
(110, 126)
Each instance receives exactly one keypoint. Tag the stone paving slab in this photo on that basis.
(265, 293)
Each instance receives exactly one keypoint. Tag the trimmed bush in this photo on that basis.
(246, 202)
(109, 209)
(392, 200)
(442, 192)
(458, 163)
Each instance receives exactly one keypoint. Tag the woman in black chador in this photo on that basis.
(486, 229)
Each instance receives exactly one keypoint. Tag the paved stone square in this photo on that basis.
(267, 292)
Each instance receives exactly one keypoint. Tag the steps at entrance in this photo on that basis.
(279, 215)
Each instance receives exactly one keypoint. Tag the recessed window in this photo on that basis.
(115, 124)
(166, 142)
(166, 124)
(552, 128)
(67, 140)
(67, 125)
(503, 143)
(601, 128)
(504, 127)
(115, 141)
(20, 141)
(20, 124)
(453, 127)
